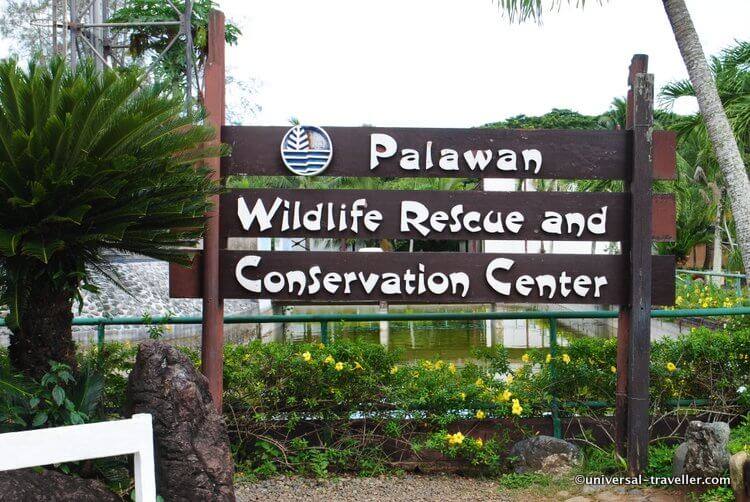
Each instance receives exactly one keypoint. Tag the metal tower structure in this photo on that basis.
(80, 29)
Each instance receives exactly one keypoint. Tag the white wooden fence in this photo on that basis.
(80, 442)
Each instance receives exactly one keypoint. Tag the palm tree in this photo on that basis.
(718, 127)
(732, 77)
(89, 162)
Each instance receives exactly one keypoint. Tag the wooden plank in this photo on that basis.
(566, 154)
(574, 154)
(663, 218)
(463, 214)
(186, 282)
(212, 339)
(665, 155)
(640, 275)
(274, 266)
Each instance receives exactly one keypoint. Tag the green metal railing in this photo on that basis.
(737, 279)
(553, 316)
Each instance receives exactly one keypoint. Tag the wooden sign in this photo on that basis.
(449, 153)
(430, 215)
(634, 279)
(435, 277)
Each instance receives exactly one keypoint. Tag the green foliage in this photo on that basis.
(514, 481)
(58, 398)
(739, 438)
(602, 461)
(660, 460)
(720, 494)
(93, 161)
(486, 455)
(556, 119)
(705, 294)
(148, 41)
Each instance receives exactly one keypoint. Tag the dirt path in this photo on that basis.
(419, 488)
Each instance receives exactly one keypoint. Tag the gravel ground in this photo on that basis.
(419, 488)
(402, 488)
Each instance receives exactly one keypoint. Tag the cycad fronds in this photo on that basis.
(91, 161)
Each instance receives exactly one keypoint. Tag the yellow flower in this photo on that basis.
(509, 379)
(566, 358)
(394, 370)
(525, 358)
(671, 367)
(306, 356)
(479, 382)
(505, 396)
(679, 300)
(427, 365)
(548, 358)
(415, 374)
(439, 364)
(321, 345)
(339, 366)
(456, 438)
(516, 409)
(452, 368)
(357, 366)
(329, 359)
(613, 369)
(479, 442)
(462, 395)
(480, 415)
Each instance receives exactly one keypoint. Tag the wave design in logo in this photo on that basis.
(306, 150)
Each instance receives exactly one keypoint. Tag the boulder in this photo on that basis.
(193, 461)
(31, 485)
(544, 453)
(739, 472)
(704, 452)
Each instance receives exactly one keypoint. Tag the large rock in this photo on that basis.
(544, 453)
(29, 485)
(739, 472)
(193, 461)
(704, 452)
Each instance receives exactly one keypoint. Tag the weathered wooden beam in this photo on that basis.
(638, 64)
(212, 340)
(639, 346)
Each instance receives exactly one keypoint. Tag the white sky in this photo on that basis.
(453, 63)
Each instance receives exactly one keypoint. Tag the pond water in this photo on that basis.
(447, 340)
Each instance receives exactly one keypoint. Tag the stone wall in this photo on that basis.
(146, 291)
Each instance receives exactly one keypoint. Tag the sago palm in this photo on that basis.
(89, 161)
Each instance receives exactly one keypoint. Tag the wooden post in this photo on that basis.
(212, 340)
(639, 314)
(638, 64)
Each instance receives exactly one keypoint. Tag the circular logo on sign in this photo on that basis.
(306, 150)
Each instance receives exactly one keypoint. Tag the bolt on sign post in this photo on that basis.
(632, 279)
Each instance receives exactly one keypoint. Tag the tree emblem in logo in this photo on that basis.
(306, 150)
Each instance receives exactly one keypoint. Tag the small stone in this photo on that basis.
(609, 496)
(562, 494)
(589, 489)
(530, 454)
(704, 452)
(578, 498)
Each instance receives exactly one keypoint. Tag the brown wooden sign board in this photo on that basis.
(435, 277)
(436, 215)
(565, 154)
